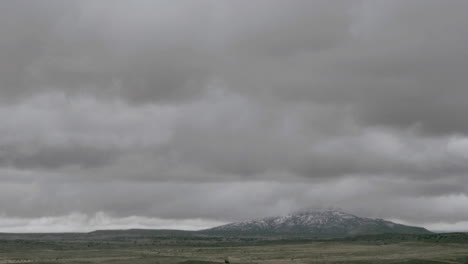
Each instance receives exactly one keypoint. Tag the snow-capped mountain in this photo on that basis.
(327, 223)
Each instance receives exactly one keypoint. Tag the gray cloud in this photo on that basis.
(261, 107)
(53, 157)
(112, 48)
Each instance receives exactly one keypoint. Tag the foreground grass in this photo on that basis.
(274, 252)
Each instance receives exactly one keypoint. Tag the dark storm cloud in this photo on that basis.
(27, 157)
(109, 48)
(259, 107)
(395, 63)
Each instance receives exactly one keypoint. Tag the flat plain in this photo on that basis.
(208, 250)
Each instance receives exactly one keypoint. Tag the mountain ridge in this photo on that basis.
(305, 224)
(314, 223)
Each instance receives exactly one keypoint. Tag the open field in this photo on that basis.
(216, 250)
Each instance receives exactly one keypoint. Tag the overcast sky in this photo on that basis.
(192, 113)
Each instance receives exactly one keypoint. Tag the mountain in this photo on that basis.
(303, 224)
(321, 224)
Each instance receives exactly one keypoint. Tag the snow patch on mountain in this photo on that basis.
(321, 223)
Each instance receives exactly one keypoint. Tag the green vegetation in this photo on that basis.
(198, 262)
(151, 248)
(395, 238)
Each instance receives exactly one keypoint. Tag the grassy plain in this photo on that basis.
(190, 250)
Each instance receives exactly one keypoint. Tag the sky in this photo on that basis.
(193, 113)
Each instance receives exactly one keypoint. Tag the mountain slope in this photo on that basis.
(328, 223)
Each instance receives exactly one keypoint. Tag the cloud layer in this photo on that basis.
(227, 110)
